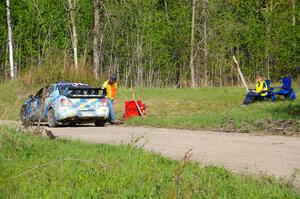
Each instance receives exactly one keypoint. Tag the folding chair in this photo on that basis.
(286, 89)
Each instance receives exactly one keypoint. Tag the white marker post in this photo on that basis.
(241, 74)
(137, 105)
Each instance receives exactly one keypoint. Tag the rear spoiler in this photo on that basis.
(80, 92)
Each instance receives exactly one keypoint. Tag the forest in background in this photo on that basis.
(154, 43)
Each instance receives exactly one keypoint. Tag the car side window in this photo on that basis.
(50, 90)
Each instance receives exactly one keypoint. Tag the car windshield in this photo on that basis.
(82, 91)
(65, 90)
(78, 90)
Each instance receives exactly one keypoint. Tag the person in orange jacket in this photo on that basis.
(110, 87)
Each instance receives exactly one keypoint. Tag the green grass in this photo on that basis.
(214, 109)
(200, 108)
(34, 167)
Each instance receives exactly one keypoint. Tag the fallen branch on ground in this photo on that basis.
(39, 130)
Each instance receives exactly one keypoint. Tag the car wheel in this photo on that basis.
(72, 124)
(100, 123)
(51, 118)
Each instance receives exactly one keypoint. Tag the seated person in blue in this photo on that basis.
(260, 92)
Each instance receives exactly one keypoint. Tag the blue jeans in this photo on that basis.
(112, 115)
(252, 96)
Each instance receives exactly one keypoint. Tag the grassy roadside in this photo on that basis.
(201, 108)
(33, 167)
(12, 95)
(216, 109)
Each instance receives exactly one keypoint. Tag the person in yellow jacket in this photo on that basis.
(261, 86)
(110, 91)
(261, 91)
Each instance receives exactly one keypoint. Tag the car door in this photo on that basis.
(50, 97)
(36, 106)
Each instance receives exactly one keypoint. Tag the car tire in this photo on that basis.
(100, 123)
(72, 124)
(51, 119)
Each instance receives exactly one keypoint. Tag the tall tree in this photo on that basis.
(151, 40)
(269, 10)
(192, 67)
(205, 48)
(293, 13)
(72, 17)
(10, 41)
(96, 35)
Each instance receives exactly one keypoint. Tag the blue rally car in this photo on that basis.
(66, 103)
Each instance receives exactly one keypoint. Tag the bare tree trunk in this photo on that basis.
(139, 55)
(10, 42)
(269, 9)
(205, 57)
(241, 74)
(96, 35)
(85, 54)
(20, 59)
(166, 9)
(192, 67)
(293, 13)
(39, 51)
(294, 30)
(101, 55)
(72, 16)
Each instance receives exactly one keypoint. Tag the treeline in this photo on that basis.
(154, 43)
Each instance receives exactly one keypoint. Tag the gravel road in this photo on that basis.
(246, 153)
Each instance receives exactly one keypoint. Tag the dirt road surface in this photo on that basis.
(252, 154)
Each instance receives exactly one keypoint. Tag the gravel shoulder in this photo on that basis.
(277, 156)
(243, 153)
